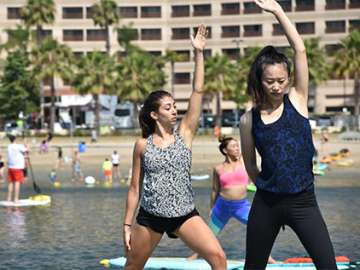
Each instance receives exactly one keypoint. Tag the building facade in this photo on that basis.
(233, 26)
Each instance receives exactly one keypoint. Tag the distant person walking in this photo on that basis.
(278, 128)
(115, 159)
(161, 174)
(77, 174)
(16, 165)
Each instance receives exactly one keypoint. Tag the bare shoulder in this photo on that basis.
(218, 168)
(139, 147)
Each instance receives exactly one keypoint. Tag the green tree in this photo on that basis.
(95, 75)
(19, 38)
(219, 79)
(104, 14)
(172, 57)
(52, 60)
(347, 63)
(18, 89)
(126, 34)
(139, 74)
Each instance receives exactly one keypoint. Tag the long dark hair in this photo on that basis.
(151, 104)
(267, 56)
(224, 141)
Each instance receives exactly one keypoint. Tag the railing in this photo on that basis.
(335, 29)
(177, 36)
(305, 7)
(202, 13)
(335, 5)
(230, 11)
(230, 34)
(150, 36)
(150, 14)
(73, 36)
(182, 13)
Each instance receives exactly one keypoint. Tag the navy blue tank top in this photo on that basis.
(286, 149)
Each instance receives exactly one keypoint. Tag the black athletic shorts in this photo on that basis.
(163, 224)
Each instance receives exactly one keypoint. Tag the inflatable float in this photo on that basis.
(200, 177)
(36, 200)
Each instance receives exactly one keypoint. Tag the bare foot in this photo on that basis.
(272, 261)
(192, 257)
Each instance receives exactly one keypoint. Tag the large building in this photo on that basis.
(233, 26)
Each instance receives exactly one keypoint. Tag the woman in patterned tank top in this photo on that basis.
(161, 174)
(278, 128)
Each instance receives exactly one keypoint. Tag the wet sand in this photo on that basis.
(205, 156)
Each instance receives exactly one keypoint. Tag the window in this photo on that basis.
(254, 30)
(232, 54)
(354, 24)
(13, 13)
(151, 34)
(230, 31)
(73, 35)
(305, 27)
(286, 5)
(305, 5)
(277, 30)
(230, 8)
(354, 4)
(180, 11)
(180, 33)
(151, 12)
(202, 10)
(72, 12)
(207, 53)
(45, 33)
(128, 12)
(155, 53)
(251, 7)
(96, 35)
(335, 27)
(335, 4)
(331, 49)
(182, 78)
(89, 12)
(207, 28)
(184, 54)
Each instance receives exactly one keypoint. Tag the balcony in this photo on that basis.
(354, 4)
(72, 13)
(251, 8)
(230, 9)
(150, 12)
(202, 10)
(335, 27)
(128, 12)
(305, 5)
(96, 35)
(335, 4)
(182, 78)
(180, 11)
(306, 28)
(151, 34)
(230, 32)
(252, 30)
(180, 33)
(286, 5)
(13, 13)
(73, 35)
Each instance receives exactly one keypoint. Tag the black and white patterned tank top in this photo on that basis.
(167, 190)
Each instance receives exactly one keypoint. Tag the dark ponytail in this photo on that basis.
(267, 56)
(151, 104)
(224, 141)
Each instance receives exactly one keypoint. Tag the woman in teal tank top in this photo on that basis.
(278, 128)
(161, 174)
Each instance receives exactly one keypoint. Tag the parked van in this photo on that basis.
(124, 115)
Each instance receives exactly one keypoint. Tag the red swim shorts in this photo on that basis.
(107, 172)
(15, 175)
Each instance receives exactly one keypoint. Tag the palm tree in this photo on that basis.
(19, 38)
(126, 34)
(219, 78)
(37, 13)
(105, 14)
(347, 63)
(139, 74)
(95, 75)
(52, 60)
(172, 57)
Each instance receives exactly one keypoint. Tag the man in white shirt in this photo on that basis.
(16, 165)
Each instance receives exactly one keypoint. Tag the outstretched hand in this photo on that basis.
(268, 5)
(199, 41)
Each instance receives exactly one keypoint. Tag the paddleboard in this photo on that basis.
(184, 264)
(200, 177)
(36, 200)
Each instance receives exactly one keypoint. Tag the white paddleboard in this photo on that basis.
(25, 202)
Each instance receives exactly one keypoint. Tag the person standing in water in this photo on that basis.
(115, 159)
(161, 174)
(229, 190)
(278, 127)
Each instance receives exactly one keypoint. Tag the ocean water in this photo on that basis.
(83, 225)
